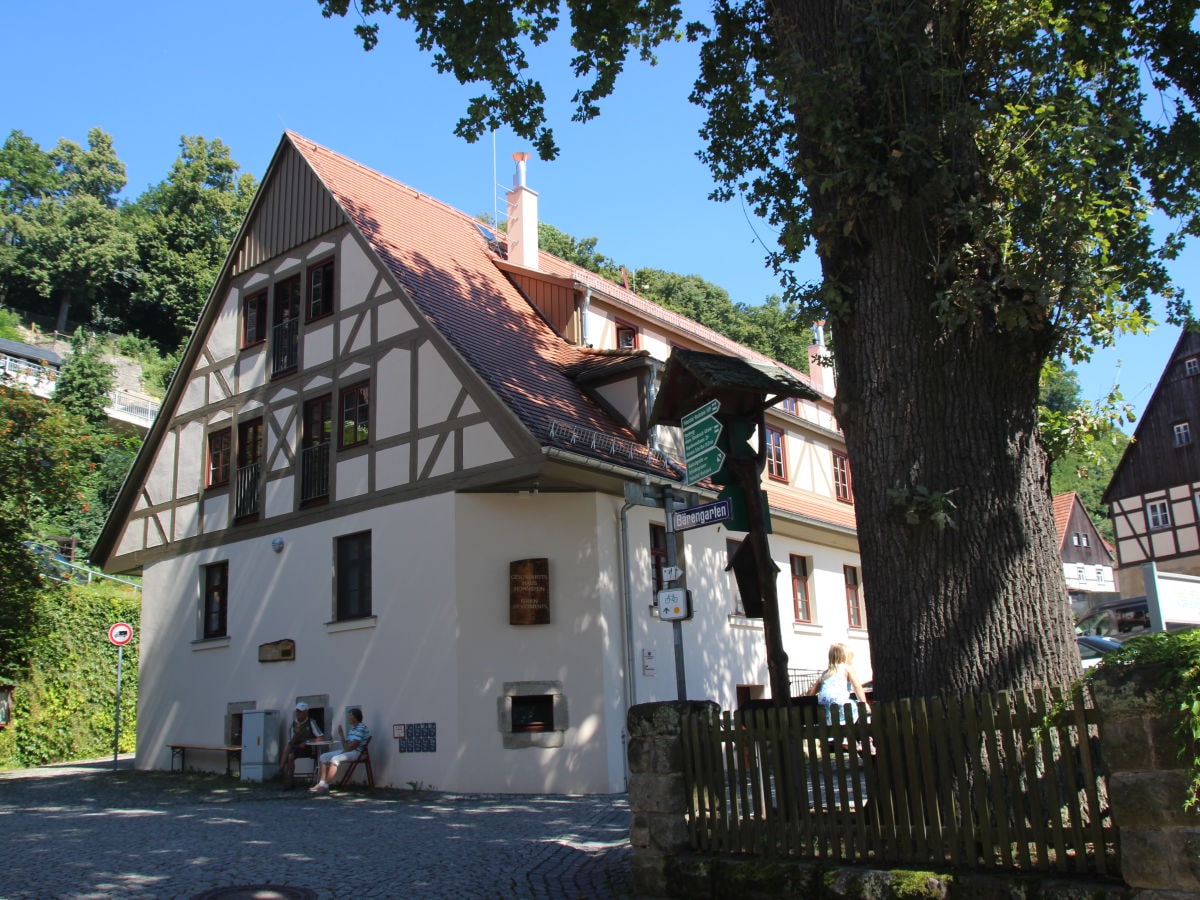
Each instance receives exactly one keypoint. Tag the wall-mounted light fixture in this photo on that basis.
(277, 545)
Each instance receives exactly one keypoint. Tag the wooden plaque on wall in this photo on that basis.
(529, 592)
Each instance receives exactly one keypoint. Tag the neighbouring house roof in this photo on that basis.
(33, 354)
(1063, 504)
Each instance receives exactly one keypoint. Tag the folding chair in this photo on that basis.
(364, 758)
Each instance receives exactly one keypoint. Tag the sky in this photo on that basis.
(244, 71)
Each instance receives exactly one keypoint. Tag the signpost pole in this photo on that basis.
(117, 711)
(676, 625)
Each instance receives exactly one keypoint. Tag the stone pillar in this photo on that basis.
(657, 794)
(1147, 781)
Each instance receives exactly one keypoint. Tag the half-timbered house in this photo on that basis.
(406, 465)
(1154, 494)
(1086, 559)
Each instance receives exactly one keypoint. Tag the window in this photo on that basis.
(731, 548)
(658, 555)
(216, 599)
(776, 461)
(1191, 366)
(285, 327)
(856, 616)
(320, 291)
(1183, 434)
(254, 319)
(354, 576)
(356, 414)
(1080, 573)
(792, 405)
(1158, 515)
(627, 337)
(1083, 539)
(801, 599)
(1075, 539)
(249, 460)
(842, 487)
(220, 444)
(314, 448)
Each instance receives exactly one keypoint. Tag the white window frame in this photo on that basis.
(1158, 515)
(1183, 433)
(1191, 366)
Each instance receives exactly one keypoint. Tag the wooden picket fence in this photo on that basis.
(1008, 781)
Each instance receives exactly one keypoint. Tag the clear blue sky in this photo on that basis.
(244, 70)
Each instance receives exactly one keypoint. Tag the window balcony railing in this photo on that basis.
(314, 472)
(285, 344)
(247, 491)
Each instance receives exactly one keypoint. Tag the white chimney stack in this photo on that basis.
(820, 368)
(522, 218)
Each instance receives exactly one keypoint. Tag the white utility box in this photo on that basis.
(260, 744)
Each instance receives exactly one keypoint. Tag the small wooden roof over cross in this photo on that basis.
(744, 388)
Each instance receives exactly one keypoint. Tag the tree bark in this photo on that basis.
(931, 406)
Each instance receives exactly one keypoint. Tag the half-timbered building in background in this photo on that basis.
(1154, 494)
(395, 470)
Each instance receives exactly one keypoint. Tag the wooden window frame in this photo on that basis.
(327, 269)
(256, 333)
(731, 548)
(287, 301)
(359, 425)
(310, 441)
(246, 428)
(1181, 434)
(856, 613)
(1159, 510)
(1191, 366)
(633, 331)
(802, 602)
(214, 621)
(219, 461)
(843, 481)
(352, 575)
(776, 462)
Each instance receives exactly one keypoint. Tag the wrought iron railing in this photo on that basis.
(314, 472)
(247, 491)
(285, 345)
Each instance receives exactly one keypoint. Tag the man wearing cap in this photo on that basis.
(303, 729)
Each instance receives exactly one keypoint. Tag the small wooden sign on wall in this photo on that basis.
(529, 592)
(277, 651)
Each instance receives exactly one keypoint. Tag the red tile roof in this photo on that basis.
(446, 265)
(1063, 504)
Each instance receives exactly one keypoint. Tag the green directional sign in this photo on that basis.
(701, 431)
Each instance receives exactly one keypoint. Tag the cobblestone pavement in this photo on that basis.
(86, 831)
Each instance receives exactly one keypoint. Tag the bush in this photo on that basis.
(63, 708)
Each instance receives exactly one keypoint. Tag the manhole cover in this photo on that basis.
(258, 892)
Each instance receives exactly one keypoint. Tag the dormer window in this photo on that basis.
(627, 337)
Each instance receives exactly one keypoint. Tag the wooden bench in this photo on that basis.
(232, 752)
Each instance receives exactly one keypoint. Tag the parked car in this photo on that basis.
(1122, 617)
(1093, 648)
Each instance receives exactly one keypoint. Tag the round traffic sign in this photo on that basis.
(120, 634)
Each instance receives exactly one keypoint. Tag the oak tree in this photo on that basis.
(977, 181)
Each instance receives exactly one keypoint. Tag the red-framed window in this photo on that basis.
(216, 600)
(320, 291)
(843, 487)
(627, 336)
(254, 318)
(802, 588)
(776, 457)
(354, 407)
(315, 439)
(250, 442)
(220, 449)
(856, 616)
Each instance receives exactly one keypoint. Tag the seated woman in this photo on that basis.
(351, 748)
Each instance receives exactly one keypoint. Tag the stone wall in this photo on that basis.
(1147, 782)
(1159, 841)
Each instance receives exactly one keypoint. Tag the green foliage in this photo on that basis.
(1178, 653)
(9, 325)
(83, 385)
(63, 706)
(183, 228)
(157, 368)
(578, 251)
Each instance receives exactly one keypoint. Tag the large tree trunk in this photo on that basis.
(934, 408)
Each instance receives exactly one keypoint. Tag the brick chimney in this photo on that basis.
(522, 219)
